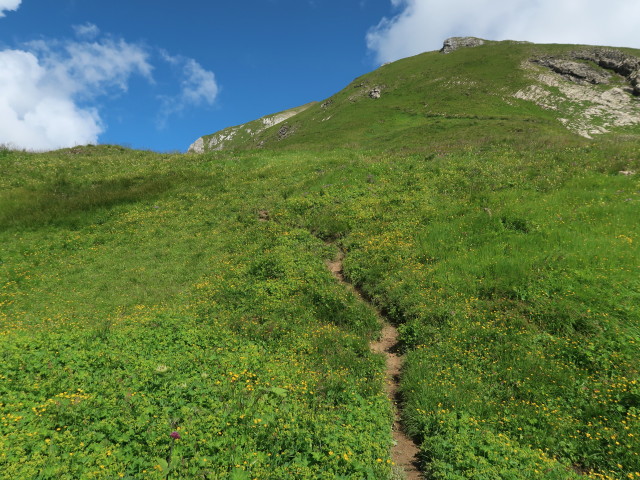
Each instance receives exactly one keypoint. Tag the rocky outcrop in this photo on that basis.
(375, 93)
(575, 71)
(284, 132)
(582, 66)
(455, 43)
(197, 146)
(623, 64)
(364, 90)
(272, 120)
(587, 88)
(225, 138)
(214, 142)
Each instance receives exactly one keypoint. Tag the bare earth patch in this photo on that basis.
(405, 452)
(584, 108)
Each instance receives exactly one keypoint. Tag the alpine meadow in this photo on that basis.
(211, 315)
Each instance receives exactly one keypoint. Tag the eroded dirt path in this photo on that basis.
(405, 452)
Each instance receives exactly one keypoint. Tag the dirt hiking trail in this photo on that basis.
(405, 452)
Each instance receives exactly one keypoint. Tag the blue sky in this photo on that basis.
(158, 74)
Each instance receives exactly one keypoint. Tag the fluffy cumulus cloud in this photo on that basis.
(198, 85)
(87, 30)
(198, 88)
(34, 112)
(8, 5)
(422, 25)
(46, 90)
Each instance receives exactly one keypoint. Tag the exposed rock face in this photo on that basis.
(587, 89)
(216, 142)
(272, 120)
(623, 64)
(284, 132)
(610, 59)
(454, 43)
(222, 139)
(578, 72)
(197, 146)
(364, 90)
(375, 93)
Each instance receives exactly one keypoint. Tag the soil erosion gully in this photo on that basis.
(405, 452)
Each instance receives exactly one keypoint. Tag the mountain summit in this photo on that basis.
(471, 91)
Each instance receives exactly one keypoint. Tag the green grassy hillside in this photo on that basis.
(172, 316)
(493, 93)
(244, 134)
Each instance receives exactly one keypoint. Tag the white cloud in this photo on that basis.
(198, 87)
(35, 114)
(49, 89)
(422, 25)
(98, 65)
(88, 31)
(8, 5)
(42, 90)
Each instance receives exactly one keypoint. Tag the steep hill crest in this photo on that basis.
(459, 94)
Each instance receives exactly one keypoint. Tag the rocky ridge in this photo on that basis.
(596, 66)
(592, 89)
(455, 43)
(589, 90)
(219, 140)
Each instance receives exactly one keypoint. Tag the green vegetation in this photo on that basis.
(462, 99)
(171, 316)
(162, 304)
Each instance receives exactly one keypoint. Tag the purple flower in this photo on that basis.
(175, 435)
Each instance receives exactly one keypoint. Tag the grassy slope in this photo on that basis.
(162, 304)
(242, 134)
(514, 277)
(140, 294)
(430, 101)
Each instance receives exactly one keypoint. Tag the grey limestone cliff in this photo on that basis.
(455, 43)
